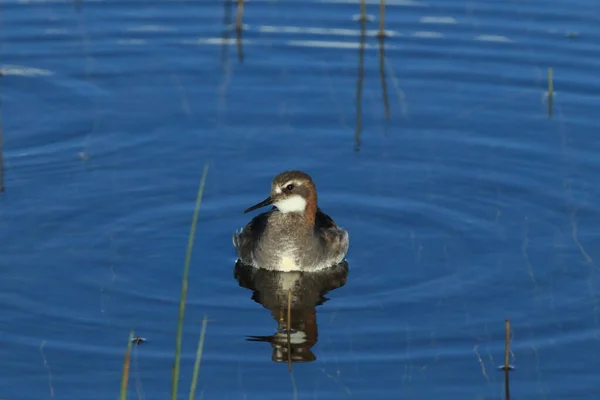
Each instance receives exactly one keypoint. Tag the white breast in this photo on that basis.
(287, 263)
(291, 204)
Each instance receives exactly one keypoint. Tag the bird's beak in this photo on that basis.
(265, 202)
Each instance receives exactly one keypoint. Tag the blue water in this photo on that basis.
(468, 206)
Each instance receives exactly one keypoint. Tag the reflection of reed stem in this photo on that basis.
(384, 93)
(1, 152)
(550, 91)
(238, 42)
(1, 160)
(361, 73)
(226, 26)
(506, 367)
(289, 328)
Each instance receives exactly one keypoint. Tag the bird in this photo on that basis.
(295, 235)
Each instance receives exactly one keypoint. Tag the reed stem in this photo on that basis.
(126, 363)
(507, 366)
(381, 18)
(198, 359)
(239, 14)
(184, 287)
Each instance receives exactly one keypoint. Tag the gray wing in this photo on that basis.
(331, 233)
(244, 239)
(323, 221)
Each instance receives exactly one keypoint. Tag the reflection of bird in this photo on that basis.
(295, 235)
(240, 13)
(271, 288)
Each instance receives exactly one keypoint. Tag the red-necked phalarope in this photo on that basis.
(295, 235)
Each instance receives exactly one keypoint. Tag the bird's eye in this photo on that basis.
(290, 187)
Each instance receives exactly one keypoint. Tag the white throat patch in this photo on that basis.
(291, 204)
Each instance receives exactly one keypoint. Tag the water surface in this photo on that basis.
(468, 205)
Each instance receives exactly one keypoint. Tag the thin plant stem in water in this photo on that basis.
(238, 29)
(47, 368)
(506, 367)
(361, 74)
(381, 33)
(506, 342)
(126, 362)
(198, 359)
(226, 28)
(239, 14)
(239, 45)
(184, 286)
(1, 153)
(136, 373)
(550, 91)
(384, 93)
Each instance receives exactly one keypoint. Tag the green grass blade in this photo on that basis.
(198, 359)
(184, 286)
(125, 376)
